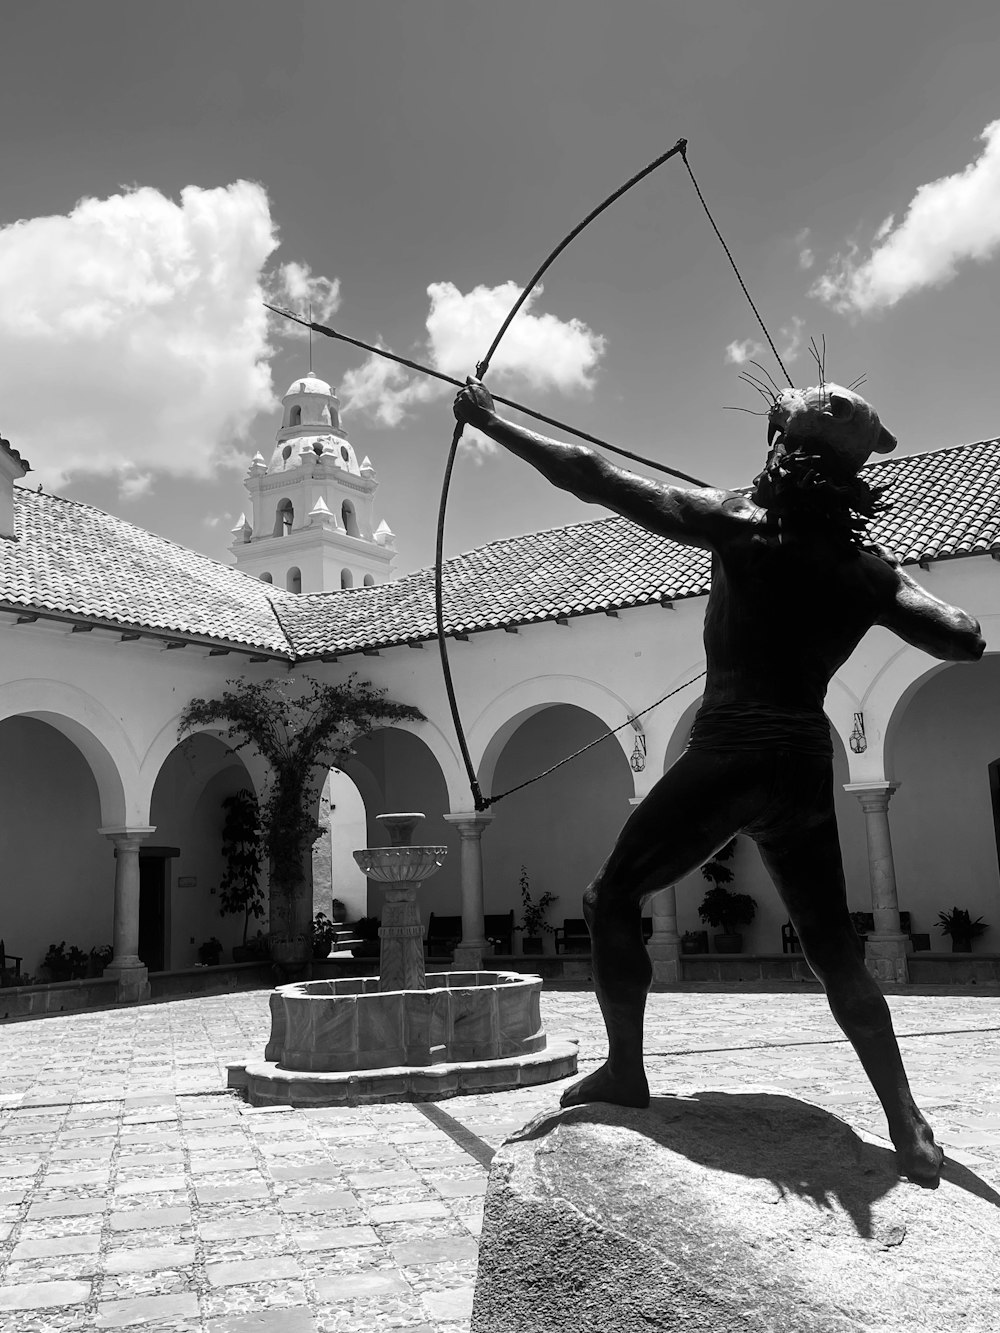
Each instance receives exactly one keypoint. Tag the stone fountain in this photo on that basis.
(403, 1035)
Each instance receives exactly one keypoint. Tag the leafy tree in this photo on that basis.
(239, 888)
(300, 727)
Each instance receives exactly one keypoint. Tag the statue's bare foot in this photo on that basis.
(917, 1155)
(630, 1089)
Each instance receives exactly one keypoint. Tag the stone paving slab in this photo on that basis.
(137, 1193)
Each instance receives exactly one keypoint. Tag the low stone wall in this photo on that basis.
(57, 997)
(218, 980)
(954, 969)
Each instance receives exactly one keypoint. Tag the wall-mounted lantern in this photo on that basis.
(857, 742)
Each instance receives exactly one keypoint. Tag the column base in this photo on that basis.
(885, 958)
(133, 982)
(469, 957)
(666, 959)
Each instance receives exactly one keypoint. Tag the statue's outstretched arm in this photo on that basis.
(919, 618)
(689, 516)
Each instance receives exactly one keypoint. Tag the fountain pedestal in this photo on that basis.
(401, 867)
(356, 1040)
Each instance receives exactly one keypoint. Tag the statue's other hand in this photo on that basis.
(474, 404)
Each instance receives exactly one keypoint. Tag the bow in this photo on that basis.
(482, 802)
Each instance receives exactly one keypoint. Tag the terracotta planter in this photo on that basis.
(532, 944)
(728, 943)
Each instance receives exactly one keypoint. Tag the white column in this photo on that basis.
(885, 951)
(126, 965)
(664, 947)
(470, 825)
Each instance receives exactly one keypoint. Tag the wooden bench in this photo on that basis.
(14, 958)
(498, 930)
(443, 933)
(865, 925)
(574, 937)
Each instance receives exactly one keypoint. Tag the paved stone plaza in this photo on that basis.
(137, 1193)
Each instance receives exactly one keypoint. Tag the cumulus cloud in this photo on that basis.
(807, 256)
(295, 287)
(737, 353)
(385, 392)
(539, 350)
(790, 338)
(132, 336)
(948, 222)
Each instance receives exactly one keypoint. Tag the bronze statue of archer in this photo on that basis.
(794, 589)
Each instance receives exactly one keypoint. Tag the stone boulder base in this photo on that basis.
(716, 1212)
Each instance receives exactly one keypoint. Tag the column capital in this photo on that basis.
(874, 796)
(123, 832)
(471, 823)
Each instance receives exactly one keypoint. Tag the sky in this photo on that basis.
(405, 165)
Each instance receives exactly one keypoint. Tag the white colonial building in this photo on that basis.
(111, 825)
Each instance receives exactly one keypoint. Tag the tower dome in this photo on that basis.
(313, 526)
(310, 428)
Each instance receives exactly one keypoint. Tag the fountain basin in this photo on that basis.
(350, 1024)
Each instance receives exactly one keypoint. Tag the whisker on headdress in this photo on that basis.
(764, 371)
(857, 383)
(757, 384)
(820, 358)
(748, 410)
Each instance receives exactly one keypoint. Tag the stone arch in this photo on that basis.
(284, 517)
(398, 767)
(498, 721)
(679, 734)
(100, 737)
(941, 743)
(293, 579)
(562, 829)
(884, 705)
(166, 741)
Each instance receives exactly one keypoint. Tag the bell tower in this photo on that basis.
(311, 526)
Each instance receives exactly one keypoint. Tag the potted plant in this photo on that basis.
(65, 964)
(324, 932)
(533, 920)
(210, 952)
(100, 957)
(694, 941)
(721, 909)
(366, 929)
(963, 930)
(239, 888)
(860, 922)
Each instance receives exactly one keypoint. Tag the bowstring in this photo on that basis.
(484, 802)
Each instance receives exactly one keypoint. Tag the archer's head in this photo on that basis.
(818, 441)
(834, 424)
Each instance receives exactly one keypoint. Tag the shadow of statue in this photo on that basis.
(804, 1150)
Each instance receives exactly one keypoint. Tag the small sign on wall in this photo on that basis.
(187, 881)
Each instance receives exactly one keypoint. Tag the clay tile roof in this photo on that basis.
(78, 561)
(945, 503)
(72, 559)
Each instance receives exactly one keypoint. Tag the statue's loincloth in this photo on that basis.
(749, 726)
